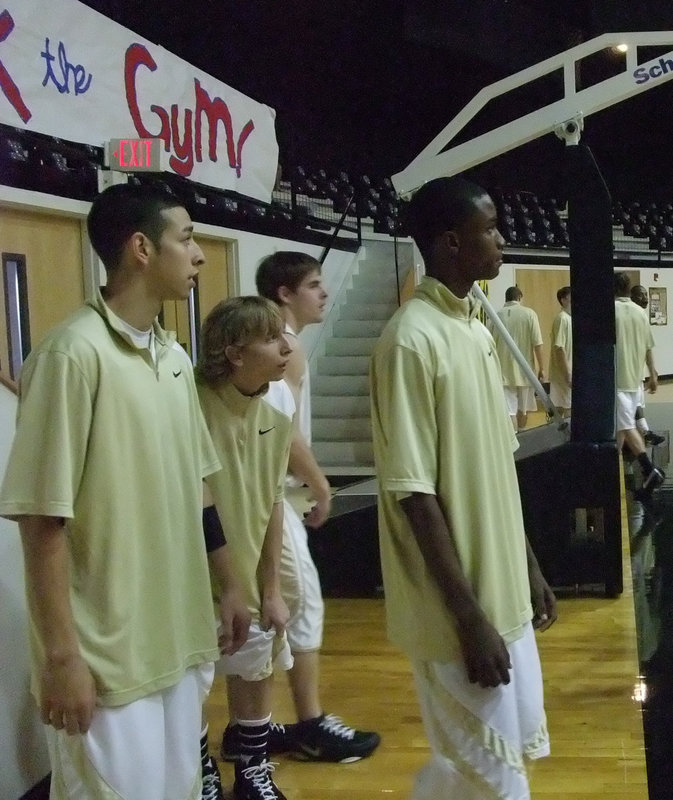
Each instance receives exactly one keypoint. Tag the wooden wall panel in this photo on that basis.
(52, 247)
(214, 284)
(539, 287)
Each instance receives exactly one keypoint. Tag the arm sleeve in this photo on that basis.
(50, 446)
(212, 529)
(406, 416)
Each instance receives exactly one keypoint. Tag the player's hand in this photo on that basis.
(275, 613)
(543, 600)
(320, 511)
(487, 661)
(235, 623)
(68, 695)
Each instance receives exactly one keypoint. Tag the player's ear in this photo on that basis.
(234, 352)
(140, 247)
(284, 294)
(451, 241)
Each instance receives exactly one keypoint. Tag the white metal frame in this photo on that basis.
(563, 116)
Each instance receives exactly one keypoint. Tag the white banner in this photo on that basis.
(68, 71)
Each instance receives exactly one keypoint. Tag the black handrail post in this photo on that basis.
(338, 227)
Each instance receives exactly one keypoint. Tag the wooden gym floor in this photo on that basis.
(592, 688)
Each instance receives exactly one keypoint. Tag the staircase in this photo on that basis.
(342, 438)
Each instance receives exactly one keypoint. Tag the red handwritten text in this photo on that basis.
(9, 88)
(185, 145)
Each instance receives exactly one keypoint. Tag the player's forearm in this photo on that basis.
(303, 465)
(221, 567)
(45, 552)
(271, 550)
(434, 539)
(538, 357)
(563, 362)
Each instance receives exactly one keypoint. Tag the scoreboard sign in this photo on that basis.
(135, 155)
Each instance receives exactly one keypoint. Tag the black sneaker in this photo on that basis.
(327, 738)
(652, 482)
(653, 438)
(211, 781)
(253, 782)
(281, 740)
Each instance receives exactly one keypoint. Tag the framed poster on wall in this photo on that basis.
(658, 306)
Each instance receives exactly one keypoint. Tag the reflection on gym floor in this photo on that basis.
(651, 538)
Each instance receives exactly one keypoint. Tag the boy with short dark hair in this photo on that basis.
(561, 356)
(463, 590)
(634, 346)
(105, 481)
(523, 326)
(242, 349)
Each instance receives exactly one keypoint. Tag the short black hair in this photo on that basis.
(622, 283)
(438, 206)
(122, 210)
(562, 293)
(513, 293)
(284, 268)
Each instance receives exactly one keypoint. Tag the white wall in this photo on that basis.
(23, 754)
(649, 278)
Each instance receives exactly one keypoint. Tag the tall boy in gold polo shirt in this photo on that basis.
(461, 585)
(105, 480)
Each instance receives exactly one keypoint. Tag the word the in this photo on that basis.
(81, 81)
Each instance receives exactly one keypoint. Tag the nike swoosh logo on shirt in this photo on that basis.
(261, 432)
(177, 374)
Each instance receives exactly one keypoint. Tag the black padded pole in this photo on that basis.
(593, 305)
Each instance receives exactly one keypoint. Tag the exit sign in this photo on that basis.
(135, 155)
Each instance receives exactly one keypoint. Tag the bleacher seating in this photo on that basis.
(315, 201)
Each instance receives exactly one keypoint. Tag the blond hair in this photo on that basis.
(236, 321)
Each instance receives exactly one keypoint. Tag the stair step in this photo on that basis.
(358, 328)
(340, 384)
(346, 429)
(350, 346)
(386, 293)
(374, 279)
(364, 311)
(343, 365)
(339, 406)
(348, 472)
(345, 454)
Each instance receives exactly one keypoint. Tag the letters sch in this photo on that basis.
(662, 67)
(189, 149)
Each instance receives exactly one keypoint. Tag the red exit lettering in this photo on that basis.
(135, 152)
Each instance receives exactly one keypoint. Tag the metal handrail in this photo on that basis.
(338, 227)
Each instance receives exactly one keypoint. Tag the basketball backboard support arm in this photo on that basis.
(564, 116)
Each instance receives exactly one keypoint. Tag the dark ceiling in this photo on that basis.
(363, 85)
